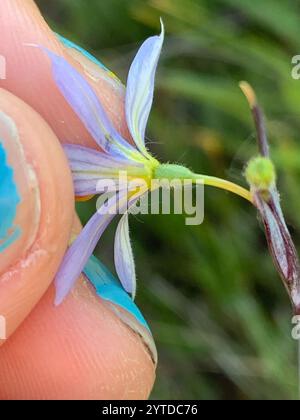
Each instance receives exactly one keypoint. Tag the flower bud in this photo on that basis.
(260, 173)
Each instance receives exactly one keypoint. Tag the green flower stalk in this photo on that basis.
(172, 171)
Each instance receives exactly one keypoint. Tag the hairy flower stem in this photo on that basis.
(172, 171)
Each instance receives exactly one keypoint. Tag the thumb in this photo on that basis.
(36, 211)
(93, 353)
(83, 349)
(29, 75)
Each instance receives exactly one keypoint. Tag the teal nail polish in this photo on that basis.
(110, 289)
(70, 44)
(9, 200)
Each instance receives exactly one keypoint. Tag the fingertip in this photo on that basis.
(19, 193)
(91, 354)
(29, 76)
(42, 212)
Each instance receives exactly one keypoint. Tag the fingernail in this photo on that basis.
(19, 196)
(109, 288)
(93, 67)
(108, 87)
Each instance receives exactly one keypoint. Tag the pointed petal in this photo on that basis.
(90, 166)
(140, 88)
(124, 261)
(88, 182)
(87, 106)
(76, 153)
(84, 186)
(80, 251)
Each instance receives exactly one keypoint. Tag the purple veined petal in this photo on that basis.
(84, 187)
(123, 255)
(140, 88)
(89, 166)
(88, 171)
(93, 171)
(76, 153)
(79, 252)
(87, 183)
(84, 101)
(124, 261)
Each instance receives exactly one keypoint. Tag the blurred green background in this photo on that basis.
(219, 313)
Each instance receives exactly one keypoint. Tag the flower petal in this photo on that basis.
(140, 88)
(90, 166)
(81, 250)
(84, 186)
(76, 153)
(124, 261)
(86, 183)
(87, 106)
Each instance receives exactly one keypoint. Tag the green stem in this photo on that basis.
(172, 171)
(225, 185)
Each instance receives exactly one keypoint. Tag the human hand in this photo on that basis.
(80, 349)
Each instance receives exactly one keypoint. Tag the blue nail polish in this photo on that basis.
(9, 200)
(70, 44)
(110, 289)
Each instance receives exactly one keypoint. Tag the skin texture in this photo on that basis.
(80, 350)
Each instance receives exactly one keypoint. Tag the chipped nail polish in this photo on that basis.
(110, 289)
(9, 200)
(19, 196)
(94, 68)
(69, 44)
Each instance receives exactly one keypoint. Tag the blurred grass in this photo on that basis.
(219, 314)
